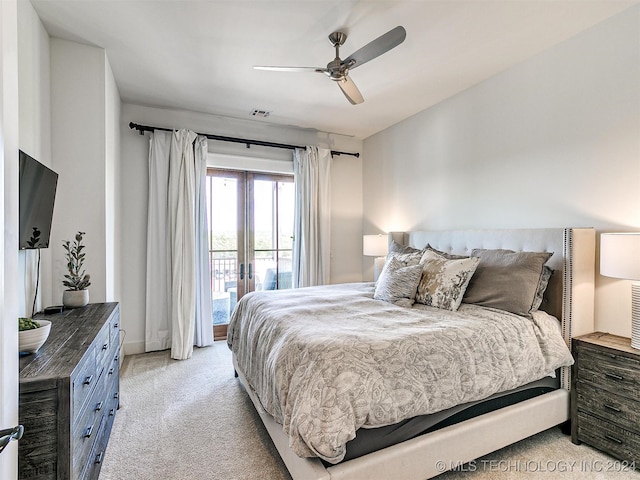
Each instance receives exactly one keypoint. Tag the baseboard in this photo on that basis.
(132, 348)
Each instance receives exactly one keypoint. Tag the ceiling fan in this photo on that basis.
(338, 70)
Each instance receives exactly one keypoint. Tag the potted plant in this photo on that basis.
(76, 281)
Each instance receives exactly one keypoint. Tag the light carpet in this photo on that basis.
(191, 419)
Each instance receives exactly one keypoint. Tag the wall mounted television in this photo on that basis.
(37, 190)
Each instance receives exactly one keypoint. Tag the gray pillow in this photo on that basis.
(506, 280)
(398, 283)
(449, 256)
(395, 247)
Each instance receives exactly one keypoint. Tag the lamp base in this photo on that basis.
(635, 315)
(378, 265)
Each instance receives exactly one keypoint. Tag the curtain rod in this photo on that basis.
(248, 143)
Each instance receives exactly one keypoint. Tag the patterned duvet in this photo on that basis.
(325, 361)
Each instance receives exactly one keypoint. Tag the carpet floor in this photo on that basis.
(192, 420)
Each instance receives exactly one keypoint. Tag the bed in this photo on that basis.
(320, 417)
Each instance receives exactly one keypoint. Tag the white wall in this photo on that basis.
(554, 141)
(35, 139)
(346, 194)
(85, 151)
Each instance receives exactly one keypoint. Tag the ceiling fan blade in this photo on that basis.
(377, 47)
(350, 91)
(290, 69)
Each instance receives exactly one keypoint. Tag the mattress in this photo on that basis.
(370, 440)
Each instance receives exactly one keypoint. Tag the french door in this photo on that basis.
(250, 224)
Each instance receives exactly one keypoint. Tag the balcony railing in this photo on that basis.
(224, 276)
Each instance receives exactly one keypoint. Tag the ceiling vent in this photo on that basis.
(256, 112)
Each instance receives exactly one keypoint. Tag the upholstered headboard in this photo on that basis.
(570, 294)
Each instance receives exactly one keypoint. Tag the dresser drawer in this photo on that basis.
(608, 406)
(615, 373)
(84, 382)
(609, 438)
(103, 346)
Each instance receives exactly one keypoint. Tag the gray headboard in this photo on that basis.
(570, 293)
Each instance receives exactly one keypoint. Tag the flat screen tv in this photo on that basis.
(37, 195)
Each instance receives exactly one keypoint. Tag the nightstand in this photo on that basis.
(605, 395)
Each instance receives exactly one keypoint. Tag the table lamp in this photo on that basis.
(620, 258)
(376, 246)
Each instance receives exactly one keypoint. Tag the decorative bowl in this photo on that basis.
(31, 340)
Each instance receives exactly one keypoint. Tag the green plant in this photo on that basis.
(27, 324)
(76, 279)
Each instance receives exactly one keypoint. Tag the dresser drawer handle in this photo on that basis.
(611, 407)
(88, 432)
(99, 406)
(111, 371)
(116, 325)
(105, 346)
(99, 457)
(614, 376)
(88, 380)
(613, 439)
(112, 412)
(115, 395)
(116, 358)
(612, 356)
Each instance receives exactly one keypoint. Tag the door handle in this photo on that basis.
(242, 271)
(250, 272)
(9, 434)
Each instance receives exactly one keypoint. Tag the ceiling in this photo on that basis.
(198, 55)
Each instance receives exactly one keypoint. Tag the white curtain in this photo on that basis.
(177, 309)
(312, 216)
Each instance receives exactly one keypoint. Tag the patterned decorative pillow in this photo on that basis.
(444, 280)
(398, 283)
(507, 280)
(407, 259)
(542, 287)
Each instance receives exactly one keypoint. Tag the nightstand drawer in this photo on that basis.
(615, 373)
(609, 438)
(608, 406)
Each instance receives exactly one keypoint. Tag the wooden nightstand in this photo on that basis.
(605, 395)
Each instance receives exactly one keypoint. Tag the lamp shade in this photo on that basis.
(620, 255)
(375, 245)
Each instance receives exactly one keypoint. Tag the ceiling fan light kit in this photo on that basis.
(338, 69)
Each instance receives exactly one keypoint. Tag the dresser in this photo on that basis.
(605, 397)
(69, 395)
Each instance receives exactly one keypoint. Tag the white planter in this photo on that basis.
(31, 340)
(75, 298)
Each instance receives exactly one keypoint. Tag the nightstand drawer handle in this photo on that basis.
(611, 407)
(88, 432)
(613, 439)
(614, 376)
(99, 457)
(88, 380)
(105, 346)
(612, 356)
(98, 406)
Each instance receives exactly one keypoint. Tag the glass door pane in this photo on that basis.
(224, 190)
(272, 231)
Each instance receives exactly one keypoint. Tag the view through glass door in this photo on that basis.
(250, 224)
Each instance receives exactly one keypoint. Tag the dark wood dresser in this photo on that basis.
(605, 399)
(69, 395)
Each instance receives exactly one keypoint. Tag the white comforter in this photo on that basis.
(325, 361)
